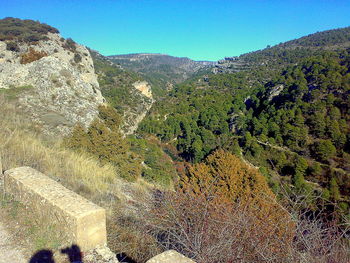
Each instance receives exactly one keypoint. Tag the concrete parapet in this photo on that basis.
(81, 222)
(170, 256)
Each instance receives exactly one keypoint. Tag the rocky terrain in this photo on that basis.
(229, 65)
(52, 80)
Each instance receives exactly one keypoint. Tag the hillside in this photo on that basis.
(50, 78)
(162, 71)
(286, 113)
(289, 52)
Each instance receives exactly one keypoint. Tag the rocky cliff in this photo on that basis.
(52, 80)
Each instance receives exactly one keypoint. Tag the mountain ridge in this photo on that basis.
(161, 70)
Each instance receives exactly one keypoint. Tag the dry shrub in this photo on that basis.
(225, 212)
(319, 242)
(32, 55)
(213, 233)
(128, 239)
(233, 233)
(225, 178)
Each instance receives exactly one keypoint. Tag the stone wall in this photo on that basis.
(78, 220)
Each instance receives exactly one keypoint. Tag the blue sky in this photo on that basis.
(198, 29)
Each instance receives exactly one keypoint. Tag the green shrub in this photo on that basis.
(104, 141)
(77, 58)
(12, 46)
(69, 45)
(158, 166)
(324, 149)
(24, 30)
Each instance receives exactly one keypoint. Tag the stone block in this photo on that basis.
(80, 221)
(170, 256)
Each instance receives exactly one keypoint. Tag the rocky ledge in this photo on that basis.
(53, 81)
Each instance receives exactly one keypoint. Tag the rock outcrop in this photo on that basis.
(53, 82)
(170, 256)
(100, 254)
(275, 91)
(133, 115)
(229, 65)
(144, 88)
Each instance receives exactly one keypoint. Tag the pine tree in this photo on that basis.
(334, 189)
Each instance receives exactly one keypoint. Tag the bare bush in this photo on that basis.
(234, 233)
(32, 55)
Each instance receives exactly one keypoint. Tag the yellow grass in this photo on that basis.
(21, 146)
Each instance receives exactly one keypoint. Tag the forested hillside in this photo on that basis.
(290, 52)
(288, 114)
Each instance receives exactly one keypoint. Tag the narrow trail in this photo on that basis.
(284, 149)
(9, 251)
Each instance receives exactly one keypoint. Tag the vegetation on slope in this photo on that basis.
(16, 29)
(116, 83)
(291, 52)
(227, 213)
(290, 120)
(104, 141)
(22, 145)
(328, 38)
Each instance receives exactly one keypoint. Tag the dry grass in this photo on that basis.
(20, 145)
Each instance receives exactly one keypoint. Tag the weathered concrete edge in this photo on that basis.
(86, 233)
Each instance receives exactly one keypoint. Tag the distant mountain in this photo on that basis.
(161, 70)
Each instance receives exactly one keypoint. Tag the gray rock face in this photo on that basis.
(56, 91)
(230, 65)
(275, 91)
(134, 115)
(101, 254)
(170, 256)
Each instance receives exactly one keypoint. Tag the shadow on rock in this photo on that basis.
(42, 256)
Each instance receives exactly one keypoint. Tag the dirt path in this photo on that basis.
(9, 252)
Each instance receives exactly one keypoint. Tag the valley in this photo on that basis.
(259, 141)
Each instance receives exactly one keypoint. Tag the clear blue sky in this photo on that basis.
(199, 29)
